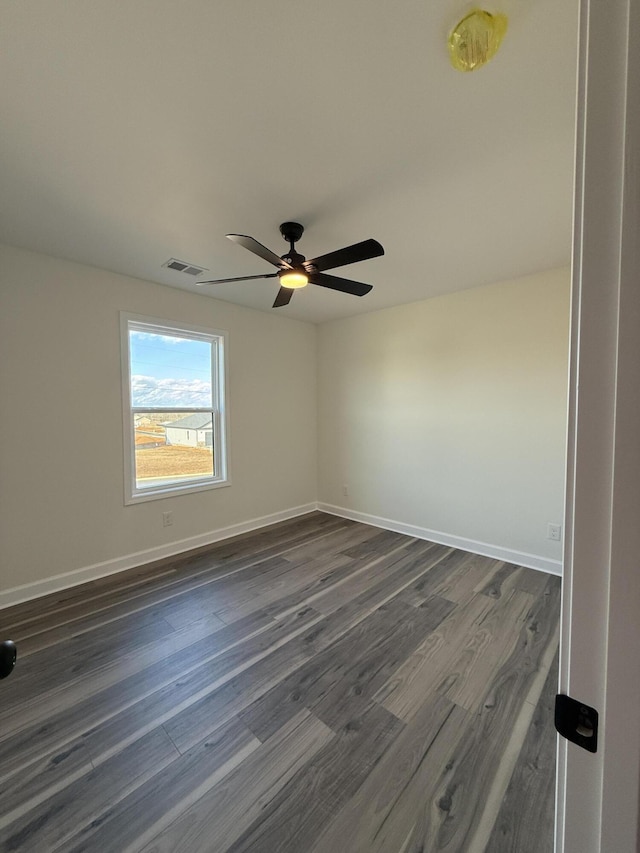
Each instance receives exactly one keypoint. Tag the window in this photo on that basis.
(174, 413)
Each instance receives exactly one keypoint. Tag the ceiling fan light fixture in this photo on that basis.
(293, 279)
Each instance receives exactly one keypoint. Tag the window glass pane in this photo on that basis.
(172, 447)
(168, 371)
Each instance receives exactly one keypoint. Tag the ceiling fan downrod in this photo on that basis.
(292, 232)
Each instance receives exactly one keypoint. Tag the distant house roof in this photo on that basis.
(195, 421)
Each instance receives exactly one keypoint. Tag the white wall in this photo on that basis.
(450, 414)
(61, 455)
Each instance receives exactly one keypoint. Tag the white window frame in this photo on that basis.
(219, 409)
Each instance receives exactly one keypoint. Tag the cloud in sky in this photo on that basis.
(173, 393)
(155, 338)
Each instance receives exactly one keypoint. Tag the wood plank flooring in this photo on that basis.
(319, 686)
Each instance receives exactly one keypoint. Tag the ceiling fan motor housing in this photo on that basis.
(294, 259)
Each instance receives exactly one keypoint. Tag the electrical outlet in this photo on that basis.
(554, 531)
(167, 519)
(345, 491)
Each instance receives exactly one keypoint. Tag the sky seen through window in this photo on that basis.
(169, 372)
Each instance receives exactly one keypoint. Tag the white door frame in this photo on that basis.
(598, 795)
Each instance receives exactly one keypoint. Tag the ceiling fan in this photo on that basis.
(295, 271)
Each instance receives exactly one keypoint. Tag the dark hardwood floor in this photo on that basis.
(319, 686)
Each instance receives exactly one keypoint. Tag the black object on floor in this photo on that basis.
(8, 655)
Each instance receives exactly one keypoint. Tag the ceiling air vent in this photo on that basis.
(183, 266)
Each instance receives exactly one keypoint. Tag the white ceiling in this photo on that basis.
(137, 131)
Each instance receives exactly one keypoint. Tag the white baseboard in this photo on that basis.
(520, 558)
(28, 591)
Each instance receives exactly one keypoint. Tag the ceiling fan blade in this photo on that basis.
(283, 297)
(349, 255)
(241, 278)
(356, 288)
(258, 249)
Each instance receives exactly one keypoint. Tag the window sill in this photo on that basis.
(173, 491)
